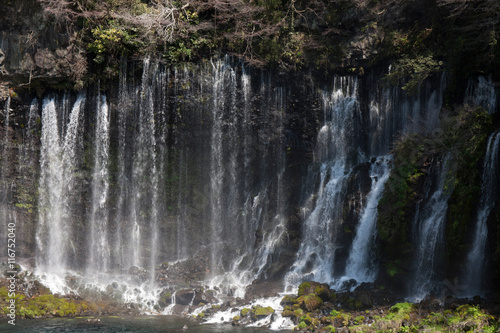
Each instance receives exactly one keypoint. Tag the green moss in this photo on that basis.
(244, 311)
(298, 313)
(467, 135)
(288, 300)
(42, 305)
(303, 288)
(330, 329)
(399, 196)
(236, 318)
(335, 313)
(400, 311)
(306, 319)
(310, 302)
(261, 311)
(201, 315)
(302, 325)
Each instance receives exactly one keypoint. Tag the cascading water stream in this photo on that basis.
(58, 161)
(196, 164)
(360, 264)
(216, 165)
(4, 186)
(476, 257)
(316, 254)
(100, 248)
(481, 92)
(241, 213)
(429, 226)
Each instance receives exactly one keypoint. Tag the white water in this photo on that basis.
(243, 171)
(274, 321)
(58, 160)
(316, 254)
(5, 215)
(476, 257)
(99, 240)
(361, 264)
(429, 227)
(481, 92)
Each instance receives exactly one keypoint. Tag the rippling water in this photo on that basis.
(115, 325)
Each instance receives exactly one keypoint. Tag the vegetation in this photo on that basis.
(290, 34)
(403, 317)
(45, 305)
(463, 139)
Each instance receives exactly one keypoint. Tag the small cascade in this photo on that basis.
(481, 92)
(361, 264)
(169, 309)
(316, 254)
(217, 167)
(58, 160)
(122, 185)
(393, 111)
(29, 137)
(246, 191)
(99, 246)
(4, 180)
(428, 233)
(476, 257)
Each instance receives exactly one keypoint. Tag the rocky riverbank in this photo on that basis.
(315, 308)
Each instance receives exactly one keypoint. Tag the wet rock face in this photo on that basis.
(184, 296)
(35, 51)
(263, 288)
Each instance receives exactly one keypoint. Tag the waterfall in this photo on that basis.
(221, 74)
(476, 257)
(58, 161)
(119, 217)
(212, 163)
(360, 264)
(392, 111)
(99, 239)
(429, 231)
(4, 186)
(316, 254)
(481, 92)
(246, 190)
(346, 140)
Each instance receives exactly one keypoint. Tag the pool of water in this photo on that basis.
(145, 324)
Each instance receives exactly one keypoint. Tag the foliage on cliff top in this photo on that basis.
(343, 35)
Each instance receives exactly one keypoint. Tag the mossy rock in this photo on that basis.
(288, 300)
(304, 288)
(236, 319)
(323, 292)
(244, 312)
(261, 312)
(287, 313)
(306, 319)
(165, 299)
(201, 315)
(310, 302)
(298, 313)
(310, 287)
(302, 325)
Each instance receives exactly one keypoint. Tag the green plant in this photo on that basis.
(414, 69)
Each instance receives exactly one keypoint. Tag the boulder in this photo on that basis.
(310, 302)
(320, 289)
(260, 312)
(184, 296)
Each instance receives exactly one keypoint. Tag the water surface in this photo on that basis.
(144, 324)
